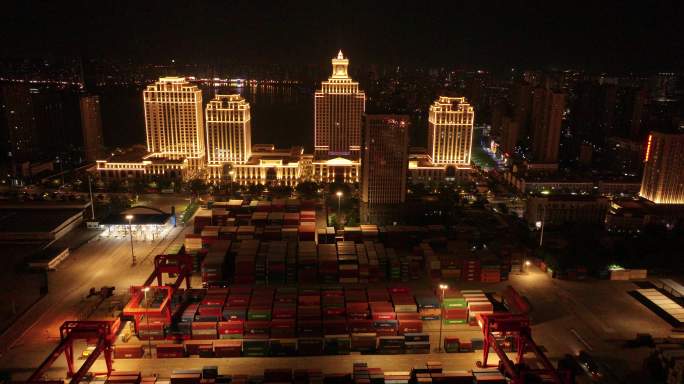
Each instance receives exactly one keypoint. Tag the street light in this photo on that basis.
(443, 287)
(540, 226)
(230, 182)
(147, 317)
(130, 231)
(339, 202)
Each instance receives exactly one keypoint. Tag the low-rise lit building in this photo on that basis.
(632, 215)
(421, 170)
(138, 163)
(561, 209)
(271, 166)
(337, 169)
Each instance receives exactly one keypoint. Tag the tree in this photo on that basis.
(281, 191)
(256, 189)
(307, 189)
(139, 186)
(197, 186)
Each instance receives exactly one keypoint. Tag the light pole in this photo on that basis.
(130, 231)
(92, 205)
(339, 203)
(527, 265)
(147, 317)
(540, 225)
(442, 287)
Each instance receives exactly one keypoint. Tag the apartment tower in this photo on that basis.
(663, 180)
(174, 120)
(450, 131)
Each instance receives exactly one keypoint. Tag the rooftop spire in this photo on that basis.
(340, 55)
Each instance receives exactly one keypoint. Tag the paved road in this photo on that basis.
(101, 262)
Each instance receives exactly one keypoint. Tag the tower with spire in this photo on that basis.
(338, 112)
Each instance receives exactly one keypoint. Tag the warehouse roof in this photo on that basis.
(142, 215)
(35, 220)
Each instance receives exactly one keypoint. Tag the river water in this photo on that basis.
(281, 114)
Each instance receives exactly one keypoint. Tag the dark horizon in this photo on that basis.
(605, 37)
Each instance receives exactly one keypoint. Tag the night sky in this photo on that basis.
(596, 35)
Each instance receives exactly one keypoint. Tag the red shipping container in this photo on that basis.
(283, 329)
(309, 328)
(231, 328)
(284, 311)
(308, 300)
(410, 326)
(309, 312)
(335, 327)
(334, 311)
(227, 348)
(192, 347)
(235, 300)
(360, 326)
(170, 351)
(134, 351)
(384, 316)
(408, 316)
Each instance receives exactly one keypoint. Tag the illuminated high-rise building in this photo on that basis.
(91, 125)
(228, 130)
(338, 109)
(450, 131)
(384, 167)
(663, 180)
(174, 120)
(547, 116)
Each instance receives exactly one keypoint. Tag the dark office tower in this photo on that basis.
(19, 123)
(521, 102)
(510, 131)
(384, 167)
(593, 111)
(547, 116)
(609, 97)
(663, 180)
(91, 125)
(53, 136)
(638, 100)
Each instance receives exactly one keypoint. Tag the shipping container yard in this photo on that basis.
(255, 293)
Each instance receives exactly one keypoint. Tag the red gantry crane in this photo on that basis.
(101, 333)
(178, 265)
(500, 325)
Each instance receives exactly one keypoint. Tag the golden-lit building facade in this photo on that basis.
(174, 120)
(137, 163)
(229, 134)
(338, 111)
(335, 170)
(271, 166)
(450, 131)
(663, 179)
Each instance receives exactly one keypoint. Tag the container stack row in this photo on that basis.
(253, 261)
(361, 373)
